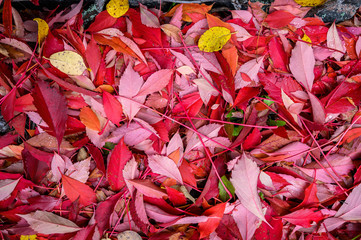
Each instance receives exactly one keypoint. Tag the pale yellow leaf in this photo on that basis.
(214, 39)
(117, 8)
(43, 29)
(68, 62)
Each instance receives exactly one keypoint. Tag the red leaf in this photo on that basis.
(252, 140)
(52, 44)
(278, 55)
(187, 173)
(244, 95)
(176, 197)
(104, 210)
(8, 106)
(51, 106)
(311, 199)
(102, 21)
(304, 217)
(93, 56)
(279, 19)
(75, 189)
(97, 156)
(112, 107)
(7, 18)
(36, 162)
(216, 214)
(118, 158)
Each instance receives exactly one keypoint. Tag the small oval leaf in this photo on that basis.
(68, 62)
(214, 39)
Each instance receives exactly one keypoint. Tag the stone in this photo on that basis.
(336, 10)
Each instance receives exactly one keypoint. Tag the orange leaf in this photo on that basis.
(216, 214)
(216, 22)
(231, 56)
(75, 189)
(89, 119)
(190, 8)
(117, 44)
(351, 135)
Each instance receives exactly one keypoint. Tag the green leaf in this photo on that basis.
(278, 123)
(223, 195)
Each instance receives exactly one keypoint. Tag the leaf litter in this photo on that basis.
(180, 124)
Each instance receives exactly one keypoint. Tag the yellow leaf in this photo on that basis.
(306, 38)
(117, 8)
(214, 39)
(310, 3)
(28, 237)
(68, 62)
(43, 29)
(89, 119)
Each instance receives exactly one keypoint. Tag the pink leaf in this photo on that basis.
(130, 171)
(244, 179)
(49, 223)
(246, 221)
(117, 160)
(351, 208)
(334, 41)
(318, 110)
(164, 166)
(148, 188)
(302, 62)
(148, 18)
(156, 82)
(7, 186)
(251, 69)
(129, 85)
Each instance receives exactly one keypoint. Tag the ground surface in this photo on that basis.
(193, 122)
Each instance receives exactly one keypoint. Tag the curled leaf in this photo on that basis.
(68, 62)
(214, 39)
(43, 29)
(117, 8)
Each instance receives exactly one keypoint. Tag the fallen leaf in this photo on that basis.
(214, 39)
(7, 186)
(164, 166)
(68, 62)
(244, 179)
(49, 223)
(51, 106)
(302, 62)
(117, 8)
(74, 189)
(43, 29)
(117, 160)
(89, 119)
(156, 82)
